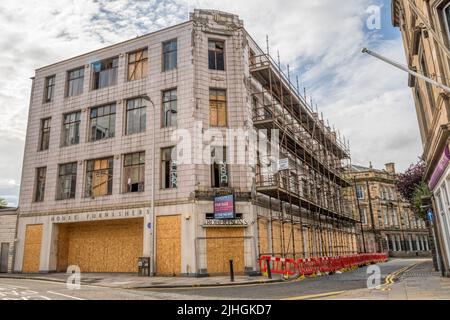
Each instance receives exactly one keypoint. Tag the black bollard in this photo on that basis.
(231, 271)
(269, 272)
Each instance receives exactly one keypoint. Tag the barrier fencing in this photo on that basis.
(314, 266)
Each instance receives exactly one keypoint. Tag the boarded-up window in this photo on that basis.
(137, 65)
(217, 108)
(134, 172)
(99, 177)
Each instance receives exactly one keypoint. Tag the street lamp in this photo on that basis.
(146, 97)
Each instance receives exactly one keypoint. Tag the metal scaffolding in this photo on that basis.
(308, 194)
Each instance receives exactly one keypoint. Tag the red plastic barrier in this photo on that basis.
(311, 266)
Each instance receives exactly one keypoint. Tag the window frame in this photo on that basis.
(111, 81)
(112, 120)
(71, 175)
(163, 112)
(42, 132)
(38, 178)
(89, 193)
(359, 192)
(162, 168)
(47, 86)
(218, 164)
(215, 54)
(125, 185)
(79, 77)
(143, 107)
(63, 140)
(163, 55)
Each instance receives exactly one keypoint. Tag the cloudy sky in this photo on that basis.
(367, 100)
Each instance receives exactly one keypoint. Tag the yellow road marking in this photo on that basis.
(314, 296)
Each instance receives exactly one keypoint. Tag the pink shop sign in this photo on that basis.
(440, 168)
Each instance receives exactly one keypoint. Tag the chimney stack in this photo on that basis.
(390, 167)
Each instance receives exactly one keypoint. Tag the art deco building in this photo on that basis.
(387, 222)
(426, 38)
(105, 181)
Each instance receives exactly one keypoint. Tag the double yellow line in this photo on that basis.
(390, 278)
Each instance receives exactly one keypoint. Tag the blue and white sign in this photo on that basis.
(430, 215)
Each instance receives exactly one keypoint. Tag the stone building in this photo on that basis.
(387, 221)
(8, 220)
(115, 154)
(425, 28)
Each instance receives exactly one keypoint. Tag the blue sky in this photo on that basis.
(367, 100)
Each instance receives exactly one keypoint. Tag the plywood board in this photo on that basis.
(168, 245)
(288, 240)
(32, 248)
(223, 245)
(276, 237)
(262, 236)
(101, 246)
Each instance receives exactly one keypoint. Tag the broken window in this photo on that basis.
(168, 168)
(169, 108)
(67, 180)
(134, 172)
(40, 184)
(219, 167)
(136, 115)
(75, 82)
(49, 88)
(137, 65)
(105, 73)
(45, 134)
(71, 129)
(217, 108)
(169, 55)
(216, 59)
(99, 177)
(103, 122)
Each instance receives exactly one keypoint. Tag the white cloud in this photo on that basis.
(367, 100)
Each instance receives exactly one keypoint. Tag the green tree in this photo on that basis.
(413, 188)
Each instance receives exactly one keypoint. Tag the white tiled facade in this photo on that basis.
(8, 218)
(192, 198)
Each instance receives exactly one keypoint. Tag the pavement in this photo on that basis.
(418, 282)
(405, 279)
(133, 281)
